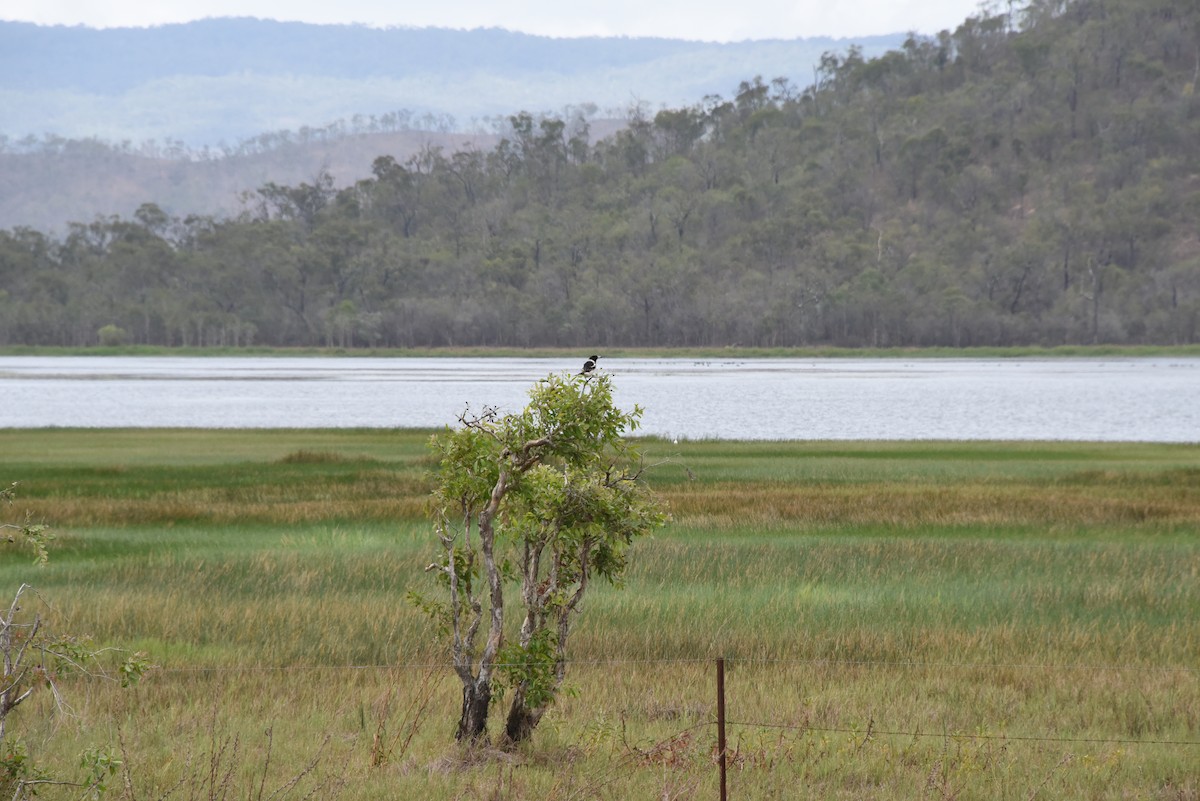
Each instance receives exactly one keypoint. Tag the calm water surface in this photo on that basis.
(1151, 399)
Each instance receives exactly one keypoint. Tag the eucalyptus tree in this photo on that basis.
(535, 504)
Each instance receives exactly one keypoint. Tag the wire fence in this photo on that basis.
(871, 729)
(614, 662)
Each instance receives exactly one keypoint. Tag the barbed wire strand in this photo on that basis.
(729, 661)
(405, 666)
(871, 731)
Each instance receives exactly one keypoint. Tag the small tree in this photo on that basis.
(32, 658)
(546, 498)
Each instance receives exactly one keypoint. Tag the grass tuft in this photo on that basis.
(320, 457)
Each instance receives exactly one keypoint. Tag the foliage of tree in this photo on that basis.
(543, 501)
(1024, 179)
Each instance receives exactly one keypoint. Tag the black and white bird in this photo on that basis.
(589, 365)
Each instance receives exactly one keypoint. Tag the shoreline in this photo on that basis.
(1014, 352)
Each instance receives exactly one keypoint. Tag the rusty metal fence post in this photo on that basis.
(721, 722)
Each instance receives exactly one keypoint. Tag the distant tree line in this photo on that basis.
(1030, 178)
(359, 124)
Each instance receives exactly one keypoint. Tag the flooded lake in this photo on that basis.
(1136, 399)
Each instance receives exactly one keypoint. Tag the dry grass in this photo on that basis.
(906, 505)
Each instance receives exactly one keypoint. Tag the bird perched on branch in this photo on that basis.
(589, 365)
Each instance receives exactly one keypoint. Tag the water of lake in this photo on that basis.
(1144, 399)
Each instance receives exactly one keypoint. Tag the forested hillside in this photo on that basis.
(1032, 178)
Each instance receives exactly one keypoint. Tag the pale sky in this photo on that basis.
(709, 20)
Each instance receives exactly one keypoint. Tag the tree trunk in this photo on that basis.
(477, 690)
(522, 719)
(472, 726)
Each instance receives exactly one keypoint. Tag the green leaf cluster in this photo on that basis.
(531, 667)
(37, 536)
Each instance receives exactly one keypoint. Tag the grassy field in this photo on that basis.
(900, 620)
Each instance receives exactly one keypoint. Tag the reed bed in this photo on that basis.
(902, 620)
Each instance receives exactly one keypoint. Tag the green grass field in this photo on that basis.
(900, 620)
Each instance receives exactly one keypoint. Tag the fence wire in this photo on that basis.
(870, 731)
(730, 662)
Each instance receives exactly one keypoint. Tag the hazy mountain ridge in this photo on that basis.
(139, 83)
(121, 58)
